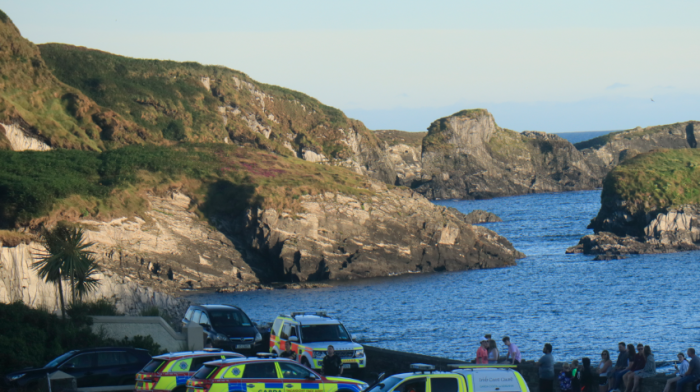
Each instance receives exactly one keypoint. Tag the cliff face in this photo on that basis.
(649, 204)
(609, 150)
(468, 156)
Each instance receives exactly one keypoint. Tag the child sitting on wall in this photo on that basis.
(565, 379)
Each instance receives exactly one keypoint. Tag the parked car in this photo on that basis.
(465, 378)
(170, 372)
(266, 375)
(310, 334)
(95, 367)
(226, 327)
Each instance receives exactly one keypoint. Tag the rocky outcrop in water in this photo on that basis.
(468, 156)
(480, 216)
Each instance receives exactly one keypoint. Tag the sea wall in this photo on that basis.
(118, 327)
(390, 362)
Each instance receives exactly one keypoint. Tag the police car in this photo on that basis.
(170, 372)
(464, 378)
(266, 375)
(310, 334)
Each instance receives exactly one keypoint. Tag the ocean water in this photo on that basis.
(579, 305)
(575, 137)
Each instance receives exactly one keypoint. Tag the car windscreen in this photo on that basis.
(385, 385)
(153, 365)
(204, 372)
(60, 360)
(324, 333)
(228, 318)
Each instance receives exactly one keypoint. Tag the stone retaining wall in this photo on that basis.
(118, 327)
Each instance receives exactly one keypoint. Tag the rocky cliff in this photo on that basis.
(468, 156)
(609, 150)
(649, 204)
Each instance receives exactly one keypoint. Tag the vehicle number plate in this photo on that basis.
(139, 384)
(346, 366)
(243, 346)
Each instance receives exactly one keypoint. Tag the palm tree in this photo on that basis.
(66, 256)
(85, 282)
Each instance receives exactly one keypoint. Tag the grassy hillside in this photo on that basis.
(172, 99)
(660, 179)
(222, 179)
(54, 112)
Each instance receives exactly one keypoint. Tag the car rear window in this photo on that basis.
(205, 372)
(442, 384)
(152, 366)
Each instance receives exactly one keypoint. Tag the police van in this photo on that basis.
(464, 378)
(310, 334)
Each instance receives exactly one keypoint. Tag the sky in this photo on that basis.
(553, 66)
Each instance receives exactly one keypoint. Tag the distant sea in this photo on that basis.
(575, 137)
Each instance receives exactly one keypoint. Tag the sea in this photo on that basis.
(579, 305)
(575, 137)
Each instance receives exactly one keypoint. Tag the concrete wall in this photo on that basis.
(391, 362)
(118, 327)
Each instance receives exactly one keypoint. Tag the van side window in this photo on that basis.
(275, 328)
(188, 315)
(293, 332)
(444, 384)
(412, 385)
(195, 317)
(204, 320)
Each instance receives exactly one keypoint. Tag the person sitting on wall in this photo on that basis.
(288, 353)
(648, 371)
(604, 368)
(693, 373)
(620, 366)
(638, 364)
(681, 369)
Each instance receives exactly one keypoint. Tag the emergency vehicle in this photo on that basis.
(464, 378)
(170, 372)
(310, 334)
(266, 375)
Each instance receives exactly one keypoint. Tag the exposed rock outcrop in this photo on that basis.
(21, 140)
(480, 216)
(468, 156)
(391, 232)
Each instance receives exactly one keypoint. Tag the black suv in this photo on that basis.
(226, 327)
(95, 367)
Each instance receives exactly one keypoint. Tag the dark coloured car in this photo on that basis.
(96, 367)
(226, 327)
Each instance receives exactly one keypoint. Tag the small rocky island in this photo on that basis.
(649, 204)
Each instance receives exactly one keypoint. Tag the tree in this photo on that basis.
(66, 256)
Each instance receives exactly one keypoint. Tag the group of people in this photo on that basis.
(488, 353)
(628, 370)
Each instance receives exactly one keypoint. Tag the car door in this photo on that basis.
(113, 368)
(82, 367)
(262, 377)
(413, 384)
(298, 378)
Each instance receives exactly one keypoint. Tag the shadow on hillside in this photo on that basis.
(225, 207)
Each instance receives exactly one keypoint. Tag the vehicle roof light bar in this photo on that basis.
(266, 355)
(213, 350)
(470, 366)
(422, 367)
(320, 314)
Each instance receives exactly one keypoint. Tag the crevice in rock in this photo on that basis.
(690, 136)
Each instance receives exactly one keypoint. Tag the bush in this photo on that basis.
(34, 337)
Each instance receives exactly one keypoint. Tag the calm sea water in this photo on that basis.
(575, 137)
(579, 305)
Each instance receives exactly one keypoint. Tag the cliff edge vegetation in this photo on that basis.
(649, 204)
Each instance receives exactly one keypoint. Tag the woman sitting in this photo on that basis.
(604, 367)
(681, 369)
(637, 364)
(648, 371)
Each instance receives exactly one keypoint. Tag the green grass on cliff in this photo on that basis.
(660, 179)
(393, 137)
(222, 179)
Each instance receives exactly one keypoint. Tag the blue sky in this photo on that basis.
(554, 66)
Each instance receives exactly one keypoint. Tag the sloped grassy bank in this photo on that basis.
(649, 204)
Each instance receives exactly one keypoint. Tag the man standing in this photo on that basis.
(482, 354)
(513, 355)
(546, 367)
(288, 353)
(620, 366)
(693, 373)
(332, 365)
